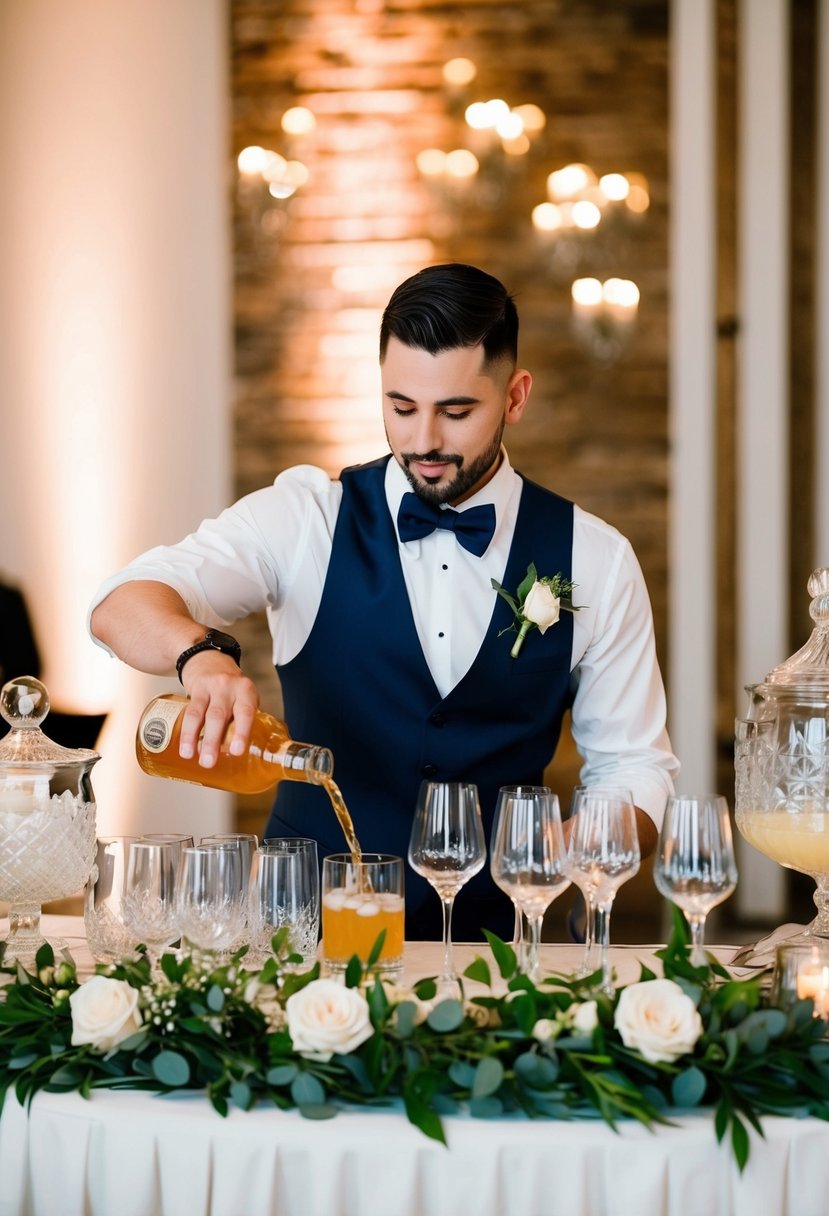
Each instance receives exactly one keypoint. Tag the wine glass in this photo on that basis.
(603, 853)
(150, 905)
(211, 897)
(694, 865)
(447, 848)
(285, 890)
(528, 858)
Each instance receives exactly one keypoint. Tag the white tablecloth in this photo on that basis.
(134, 1154)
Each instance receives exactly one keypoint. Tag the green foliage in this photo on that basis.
(517, 1047)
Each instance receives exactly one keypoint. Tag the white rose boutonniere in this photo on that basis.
(326, 1017)
(657, 1019)
(537, 604)
(104, 1012)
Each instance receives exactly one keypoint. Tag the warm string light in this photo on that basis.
(604, 315)
(267, 178)
(496, 136)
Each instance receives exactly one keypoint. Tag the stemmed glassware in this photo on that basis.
(603, 853)
(447, 848)
(150, 907)
(528, 858)
(694, 865)
(211, 897)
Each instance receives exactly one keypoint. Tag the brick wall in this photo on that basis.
(312, 279)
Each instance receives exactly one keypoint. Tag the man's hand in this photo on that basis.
(147, 624)
(219, 694)
(645, 830)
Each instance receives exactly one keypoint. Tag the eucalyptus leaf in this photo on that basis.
(215, 999)
(306, 1090)
(241, 1095)
(446, 1016)
(317, 1110)
(281, 1074)
(462, 1074)
(404, 1018)
(488, 1077)
(486, 1108)
(536, 1070)
(171, 1068)
(688, 1087)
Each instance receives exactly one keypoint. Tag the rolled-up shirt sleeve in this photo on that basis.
(246, 559)
(619, 707)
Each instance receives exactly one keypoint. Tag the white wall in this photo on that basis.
(114, 333)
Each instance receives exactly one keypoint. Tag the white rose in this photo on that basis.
(545, 1029)
(104, 1012)
(541, 606)
(658, 1019)
(585, 1017)
(325, 1017)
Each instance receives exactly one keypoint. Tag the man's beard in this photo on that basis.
(465, 479)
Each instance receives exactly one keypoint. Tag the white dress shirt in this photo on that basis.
(271, 550)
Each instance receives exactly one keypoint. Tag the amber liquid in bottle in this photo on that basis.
(272, 756)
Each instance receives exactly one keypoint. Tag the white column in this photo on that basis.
(822, 321)
(763, 404)
(114, 333)
(693, 390)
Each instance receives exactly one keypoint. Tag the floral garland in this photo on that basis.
(695, 1038)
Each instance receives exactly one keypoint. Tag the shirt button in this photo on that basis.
(429, 770)
(437, 719)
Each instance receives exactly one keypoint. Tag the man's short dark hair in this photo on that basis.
(446, 307)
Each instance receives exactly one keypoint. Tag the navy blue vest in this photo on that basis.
(361, 687)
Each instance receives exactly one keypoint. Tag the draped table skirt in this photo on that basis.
(137, 1154)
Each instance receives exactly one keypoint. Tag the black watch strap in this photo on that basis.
(214, 639)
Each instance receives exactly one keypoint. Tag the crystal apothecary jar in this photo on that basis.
(782, 759)
(47, 816)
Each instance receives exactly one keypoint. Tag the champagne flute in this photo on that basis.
(447, 848)
(694, 865)
(150, 906)
(211, 897)
(603, 853)
(528, 858)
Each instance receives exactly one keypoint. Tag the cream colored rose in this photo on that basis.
(545, 1030)
(658, 1019)
(325, 1017)
(104, 1012)
(541, 606)
(585, 1017)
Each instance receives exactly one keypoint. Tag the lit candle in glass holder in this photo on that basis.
(802, 973)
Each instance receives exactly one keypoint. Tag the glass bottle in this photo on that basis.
(271, 756)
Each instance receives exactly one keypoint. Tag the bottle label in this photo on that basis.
(156, 725)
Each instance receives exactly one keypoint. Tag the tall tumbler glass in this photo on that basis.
(285, 890)
(107, 934)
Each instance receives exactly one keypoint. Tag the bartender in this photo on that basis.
(392, 646)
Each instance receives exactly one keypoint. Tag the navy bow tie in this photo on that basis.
(473, 528)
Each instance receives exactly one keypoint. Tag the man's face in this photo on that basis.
(445, 414)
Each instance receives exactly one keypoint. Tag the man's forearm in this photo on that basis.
(146, 624)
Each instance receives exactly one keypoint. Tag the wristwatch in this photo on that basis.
(214, 639)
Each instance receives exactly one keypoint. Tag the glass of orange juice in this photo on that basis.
(360, 899)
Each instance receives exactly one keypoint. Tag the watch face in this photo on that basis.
(220, 639)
